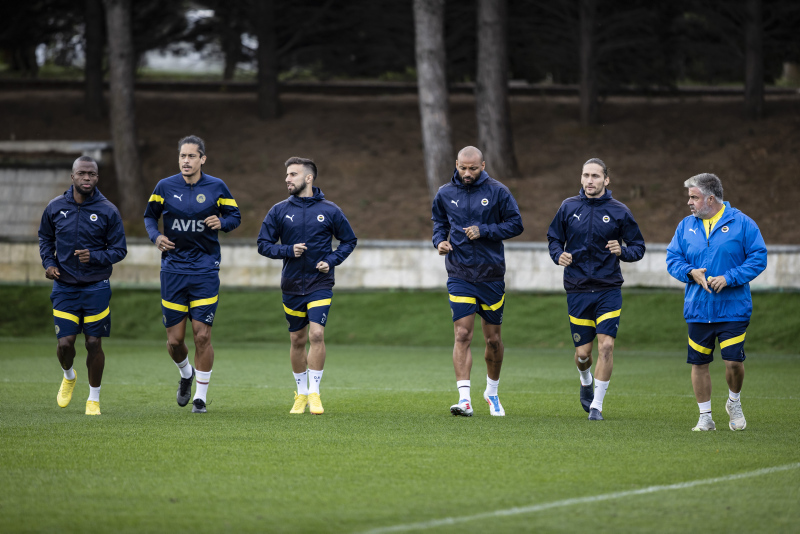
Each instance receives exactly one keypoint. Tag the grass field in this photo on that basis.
(387, 456)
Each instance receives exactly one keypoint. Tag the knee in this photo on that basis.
(494, 344)
(606, 347)
(316, 337)
(93, 345)
(463, 335)
(66, 345)
(202, 338)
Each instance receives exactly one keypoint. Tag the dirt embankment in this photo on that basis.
(369, 153)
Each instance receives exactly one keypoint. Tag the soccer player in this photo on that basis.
(305, 223)
(716, 251)
(472, 215)
(590, 234)
(195, 207)
(80, 238)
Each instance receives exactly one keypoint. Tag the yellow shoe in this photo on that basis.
(315, 404)
(300, 403)
(92, 408)
(65, 391)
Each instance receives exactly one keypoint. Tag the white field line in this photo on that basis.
(425, 525)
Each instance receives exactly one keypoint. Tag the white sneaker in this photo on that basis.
(464, 407)
(495, 408)
(734, 409)
(705, 423)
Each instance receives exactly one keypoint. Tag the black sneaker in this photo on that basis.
(185, 390)
(587, 396)
(198, 406)
(595, 415)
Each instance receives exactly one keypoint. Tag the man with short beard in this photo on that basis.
(195, 207)
(472, 215)
(80, 238)
(716, 252)
(305, 224)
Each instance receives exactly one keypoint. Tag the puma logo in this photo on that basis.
(694, 230)
(290, 217)
(577, 216)
(455, 202)
(179, 197)
(64, 213)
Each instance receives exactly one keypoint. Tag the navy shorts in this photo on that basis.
(84, 309)
(702, 338)
(596, 312)
(300, 309)
(487, 299)
(195, 295)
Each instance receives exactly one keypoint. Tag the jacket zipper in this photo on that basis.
(77, 232)
(469, 223)
(302, 259)
(591, 242)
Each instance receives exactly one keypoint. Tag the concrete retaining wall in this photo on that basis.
(390, 264)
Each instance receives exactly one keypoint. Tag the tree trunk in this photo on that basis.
(588, 94)
(754, 61)
(491, 91)
(93, 70)
(268, 102)
(432, 89)
(231, 38)
(123, 118)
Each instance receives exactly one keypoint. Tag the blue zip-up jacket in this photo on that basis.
(313, 221)
(734, 249)
(487, 204)
(184, 208)
(583, 227)
(95, 226)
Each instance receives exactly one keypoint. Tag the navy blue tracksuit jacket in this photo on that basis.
(583, 227)
(68, 226)
(313, 221)
(487, 204)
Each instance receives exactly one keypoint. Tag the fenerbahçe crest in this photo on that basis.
(201, 198)
(321, 217)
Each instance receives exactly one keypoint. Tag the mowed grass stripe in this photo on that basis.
(383, 454)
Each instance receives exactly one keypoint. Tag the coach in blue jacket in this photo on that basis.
(586, 238)
(716, 252)
(305, 224)
(472, 215)
(80, 238)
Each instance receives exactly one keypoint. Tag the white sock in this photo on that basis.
(201, 379)
(185, 368)
(586, 376)
(69, 374)
(491, 387)
(733, 396)
(314, 378)
(94, 394)
(463, 390)
(600, 389)
(302, 382)
(705, 407)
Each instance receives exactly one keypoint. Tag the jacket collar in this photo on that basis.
(317, 196)
(456, 180)
(606, 196)
(97, 196)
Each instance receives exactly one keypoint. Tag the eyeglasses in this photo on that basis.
(81, 174)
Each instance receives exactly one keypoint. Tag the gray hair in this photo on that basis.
(708, 184)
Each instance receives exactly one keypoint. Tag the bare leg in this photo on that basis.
(203, 351)
(494, 349)
(701, 383)
(175, 345)
(583, 352)
(65, 351)
(462, 354)
(734, 375)
(605, 361)
(316, 354)
(297, 350)
(95, 360)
